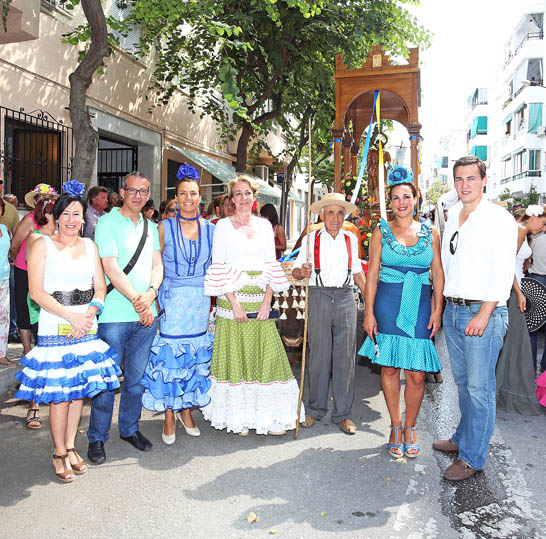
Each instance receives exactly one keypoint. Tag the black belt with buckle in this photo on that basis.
(74, 297)
(463, 302)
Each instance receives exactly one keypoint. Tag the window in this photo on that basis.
(508, 126)
(535, 117)
(480, 151)
(130, 42)
(520, 119)
(479, 126)
(534, 160)
(534, 70)
(506, 170)
(519, 162)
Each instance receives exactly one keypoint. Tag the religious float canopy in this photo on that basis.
(400, 96)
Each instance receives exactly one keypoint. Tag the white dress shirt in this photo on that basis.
(484, 263)
(334, 258)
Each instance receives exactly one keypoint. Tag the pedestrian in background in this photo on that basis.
(515, 373)
(401, 315)
(478, 256)
(97, 202)
(269, 212)
(4, 290)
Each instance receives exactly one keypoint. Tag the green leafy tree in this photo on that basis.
(437, 189)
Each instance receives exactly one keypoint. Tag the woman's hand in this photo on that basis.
(370, 325)
(522, 302)
(264, 310)
(81, 324)
(239, 313)
(435, 322)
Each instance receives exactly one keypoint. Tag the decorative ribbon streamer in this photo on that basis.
(411, 292)
(381, 171)
(364, 161)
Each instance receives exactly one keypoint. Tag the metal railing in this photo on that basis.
(36, 149)
(530, 35)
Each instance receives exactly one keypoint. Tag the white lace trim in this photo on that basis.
(253, 405)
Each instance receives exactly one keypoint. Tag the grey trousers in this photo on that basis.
(332, 347)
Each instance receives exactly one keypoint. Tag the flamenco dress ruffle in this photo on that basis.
(541, 389)
(61, 370)
(176, 376)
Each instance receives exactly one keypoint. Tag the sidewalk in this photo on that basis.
(7, 379)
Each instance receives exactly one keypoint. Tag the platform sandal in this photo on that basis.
(412, 445)
(81, 466)
(395, 450)
(67, 475)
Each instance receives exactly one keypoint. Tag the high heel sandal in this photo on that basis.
(394, 449)
(411, 445)
(66, 476)
(81, 466)
(169, 439)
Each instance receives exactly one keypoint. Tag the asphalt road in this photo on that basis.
(325, 484)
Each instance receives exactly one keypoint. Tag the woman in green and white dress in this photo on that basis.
(253, 386)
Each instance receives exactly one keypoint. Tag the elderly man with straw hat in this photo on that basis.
(332, 270)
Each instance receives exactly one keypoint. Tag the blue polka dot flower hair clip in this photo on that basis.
(187, 171)
(74, 188)
(399, 174)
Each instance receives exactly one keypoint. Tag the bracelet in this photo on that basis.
(155, 290)
(99, 306)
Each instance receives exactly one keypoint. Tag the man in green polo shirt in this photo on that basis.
(128, 321)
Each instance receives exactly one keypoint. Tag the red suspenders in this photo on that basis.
(317, 257)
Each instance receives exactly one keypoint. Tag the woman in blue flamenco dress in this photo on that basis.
(401, 316)
(70, 362)
(176, 377)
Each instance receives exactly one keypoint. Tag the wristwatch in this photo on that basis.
(155, 290)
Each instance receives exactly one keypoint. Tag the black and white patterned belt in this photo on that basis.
(74, 297)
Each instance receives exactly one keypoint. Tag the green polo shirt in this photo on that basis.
(118, 236)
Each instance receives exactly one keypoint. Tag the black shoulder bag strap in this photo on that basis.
(131, 264)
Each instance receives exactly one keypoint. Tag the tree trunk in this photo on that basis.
(242, 147)
(85, 136)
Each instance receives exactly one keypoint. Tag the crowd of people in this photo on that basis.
(180, 301)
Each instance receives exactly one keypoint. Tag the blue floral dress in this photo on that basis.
(402, 305)
(177, 373)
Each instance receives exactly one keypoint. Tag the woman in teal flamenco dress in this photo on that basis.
(401, 316)
(176, 377)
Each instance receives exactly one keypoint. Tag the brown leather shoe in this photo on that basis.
(447, 446)
(309, 421)
(459, 471)
(347, 426)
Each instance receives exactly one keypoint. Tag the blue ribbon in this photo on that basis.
(293, 254)
(411, 290)
(364, 154)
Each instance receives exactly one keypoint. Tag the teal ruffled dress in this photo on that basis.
(402, 305)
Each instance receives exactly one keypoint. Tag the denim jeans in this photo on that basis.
(473, 361)
(132, 342)
(534, 335)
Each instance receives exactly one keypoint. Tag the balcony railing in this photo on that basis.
(530, 35)
(526, 174)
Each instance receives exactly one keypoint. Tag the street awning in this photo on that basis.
(519, 108)
(218, 169)
(507, 119)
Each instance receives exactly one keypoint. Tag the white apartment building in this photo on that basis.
(516, 124)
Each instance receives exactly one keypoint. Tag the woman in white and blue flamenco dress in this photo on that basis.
(176, 377)
(69, 362)
(401, 316)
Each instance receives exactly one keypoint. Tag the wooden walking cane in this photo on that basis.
(306, 317)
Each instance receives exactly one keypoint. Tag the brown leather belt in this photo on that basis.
(463, 302)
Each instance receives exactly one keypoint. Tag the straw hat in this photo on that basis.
(40, 189)
(333, 199)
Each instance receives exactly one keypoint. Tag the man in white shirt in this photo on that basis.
(478, 255)
(333, 268)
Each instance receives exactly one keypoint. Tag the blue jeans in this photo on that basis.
(534, 334)
(132, 342)
(473, 361)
